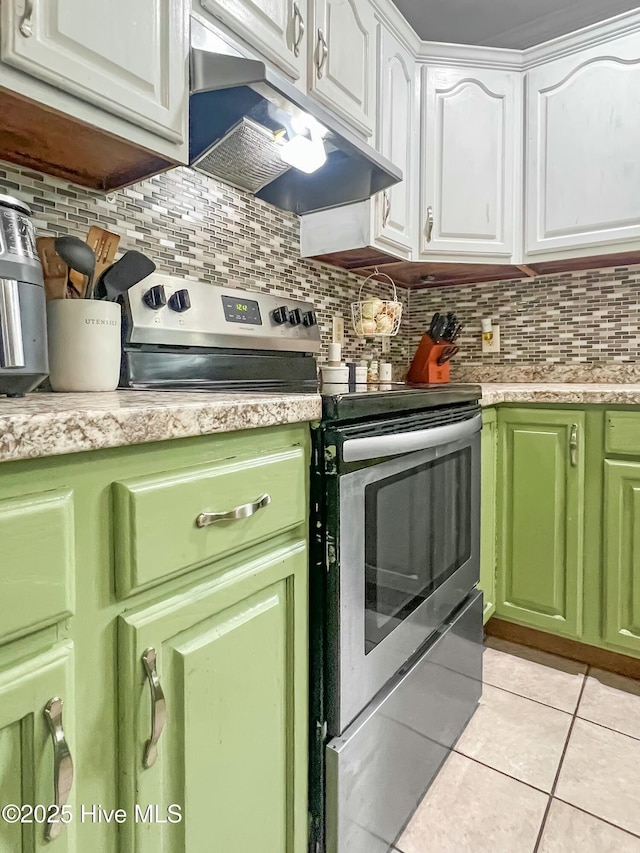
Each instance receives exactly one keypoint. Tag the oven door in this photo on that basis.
(409, 531)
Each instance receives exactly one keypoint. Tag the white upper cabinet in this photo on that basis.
(583, 151)
(277, 29)
(343, 67)
(129, 58)
(470, 163)
(397, 128)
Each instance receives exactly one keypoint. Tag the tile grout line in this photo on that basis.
(596, 817)
(501, 772)
(607, 728)
(602, 725)
(537, 701)
(558, 771)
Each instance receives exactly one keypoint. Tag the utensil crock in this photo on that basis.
(84, 344)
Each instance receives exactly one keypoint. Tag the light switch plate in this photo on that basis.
(494, 344)
(386, 345)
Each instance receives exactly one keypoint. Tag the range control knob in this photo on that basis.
(155, 297)
(180, 301)
(280, 315)
(309, 319)
(295, 317)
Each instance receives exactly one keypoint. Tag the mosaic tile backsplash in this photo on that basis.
(191, 225)
(581, 326)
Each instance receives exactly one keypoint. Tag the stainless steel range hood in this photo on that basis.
(241, 114)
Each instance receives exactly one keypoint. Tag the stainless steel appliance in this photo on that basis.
(23, 325)
(397, 631)
(395, 620)
(242, 115)
(188, 334)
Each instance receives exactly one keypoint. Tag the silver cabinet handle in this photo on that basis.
(387, 208)
(62, 765)
(323, 52)
(158, 707)
(26, 24)
(243, 511)
(429, 225)
(298, 28)
(11, 345)
(573, 445)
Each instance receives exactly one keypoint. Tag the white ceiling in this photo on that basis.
(505, 23)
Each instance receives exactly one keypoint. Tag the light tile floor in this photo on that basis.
(550, 763)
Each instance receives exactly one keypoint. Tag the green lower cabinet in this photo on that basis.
(541, 518)
(621, 553)
(28, 763)
(488, 512)
(103, 559)
(232, 754)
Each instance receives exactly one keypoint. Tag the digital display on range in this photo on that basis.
(241, 311)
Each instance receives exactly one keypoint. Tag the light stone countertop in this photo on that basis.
(494, 393)
(48, 424)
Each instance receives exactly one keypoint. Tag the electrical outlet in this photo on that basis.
(494, 344)
(386, 344)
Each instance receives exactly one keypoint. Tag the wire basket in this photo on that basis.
(374, 317)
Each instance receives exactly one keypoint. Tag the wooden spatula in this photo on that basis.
(53, 267)
(104, 245)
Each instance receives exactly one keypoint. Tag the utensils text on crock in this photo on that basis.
(447, 354)
(78, 256)
(119, 277)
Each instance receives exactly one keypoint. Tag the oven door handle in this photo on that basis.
(377, 446)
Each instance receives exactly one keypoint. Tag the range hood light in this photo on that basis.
(304, 124)
(306, 155)
(237, 110)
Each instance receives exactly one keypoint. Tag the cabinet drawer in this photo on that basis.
(622, 432)
(37, 566)
(405, 736)
(156, 535)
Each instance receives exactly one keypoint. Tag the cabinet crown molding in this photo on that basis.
(591, 36)
(478, 56)
(469, 55)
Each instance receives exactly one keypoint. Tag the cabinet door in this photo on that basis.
(397, 124)
(232, 662)
(583, 169)
(27, 752)
(129, 57)
(276, 28)
(470, 162)
(343, 71)
(488, 513)
(622, 554)
(541, 518)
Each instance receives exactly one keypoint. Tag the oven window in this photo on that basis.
(417, 534)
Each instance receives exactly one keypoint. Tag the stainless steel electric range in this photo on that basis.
(180, 334)
(395, 616)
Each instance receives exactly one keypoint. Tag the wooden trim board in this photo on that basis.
(591, 655)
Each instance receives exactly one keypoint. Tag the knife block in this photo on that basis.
(424, 367)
